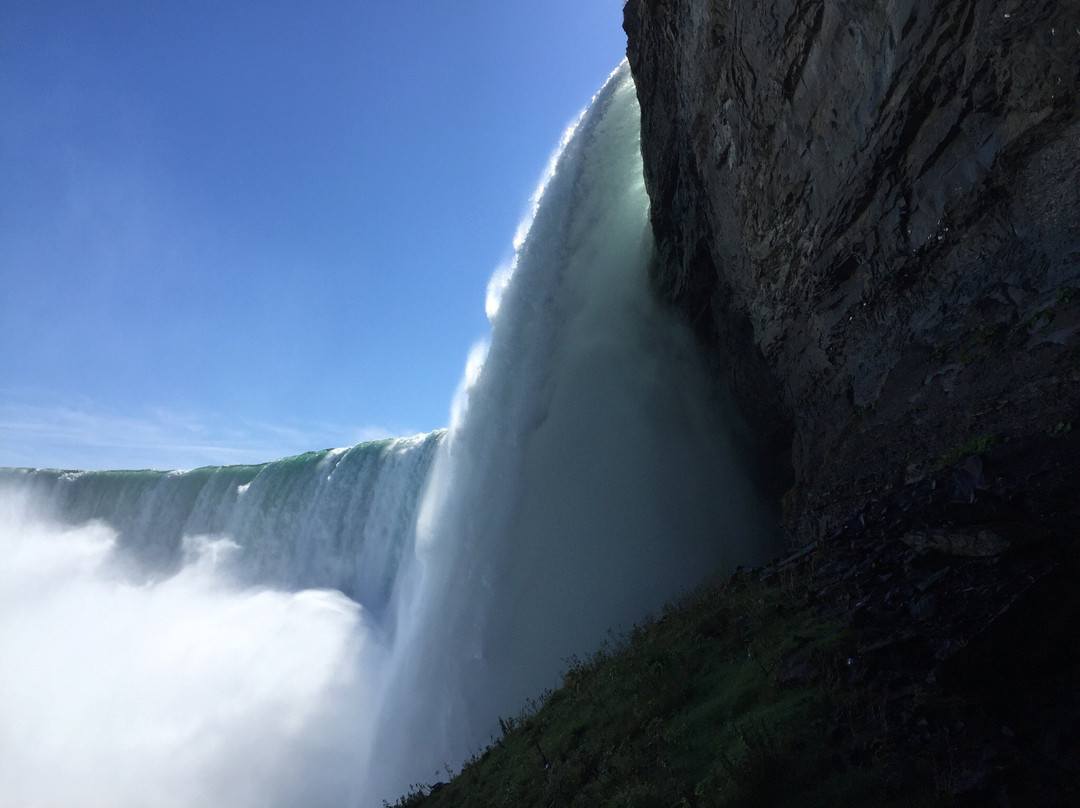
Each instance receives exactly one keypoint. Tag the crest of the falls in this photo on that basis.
(587, 476)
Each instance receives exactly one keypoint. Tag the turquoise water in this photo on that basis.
(339, 518)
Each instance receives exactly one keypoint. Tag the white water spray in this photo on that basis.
(186, 691)
(586, 478)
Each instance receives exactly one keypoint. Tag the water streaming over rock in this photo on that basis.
(339, 519)
(586, 477)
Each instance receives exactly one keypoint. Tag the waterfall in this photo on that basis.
(207, 637)
(336, 519)
(410, 591)
(588, 473)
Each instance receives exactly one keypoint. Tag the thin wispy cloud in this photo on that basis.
(85, 436)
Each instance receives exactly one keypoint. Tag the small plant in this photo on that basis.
(418, 792)
(976, 445)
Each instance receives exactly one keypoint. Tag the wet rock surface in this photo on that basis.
(969, 633)
(871, 212)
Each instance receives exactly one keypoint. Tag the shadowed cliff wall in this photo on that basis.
(870, 211)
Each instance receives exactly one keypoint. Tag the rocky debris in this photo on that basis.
(980, 544)
(871, 213)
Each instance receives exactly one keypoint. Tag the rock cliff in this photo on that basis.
(870, 209)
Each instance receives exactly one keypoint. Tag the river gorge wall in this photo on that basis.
(870, 212)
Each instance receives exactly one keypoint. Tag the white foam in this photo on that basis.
(186, 691)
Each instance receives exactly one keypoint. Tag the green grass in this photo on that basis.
(735, 696)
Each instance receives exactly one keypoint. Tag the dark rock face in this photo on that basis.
(870, 209)
(971, 634)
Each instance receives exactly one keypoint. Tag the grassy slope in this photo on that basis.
(735, 696)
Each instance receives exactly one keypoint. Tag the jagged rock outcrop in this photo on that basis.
(871, 209)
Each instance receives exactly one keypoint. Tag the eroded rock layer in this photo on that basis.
(871, 210)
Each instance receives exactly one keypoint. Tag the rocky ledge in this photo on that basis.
(870, 211)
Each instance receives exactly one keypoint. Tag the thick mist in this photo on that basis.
(182, 638)
(184, 691)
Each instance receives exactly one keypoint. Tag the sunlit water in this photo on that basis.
(328, 629)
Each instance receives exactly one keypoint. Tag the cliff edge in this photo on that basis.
(871, 212)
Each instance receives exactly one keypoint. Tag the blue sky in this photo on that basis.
(233, 231)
